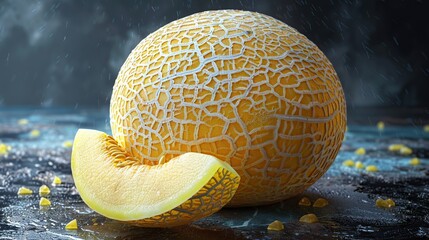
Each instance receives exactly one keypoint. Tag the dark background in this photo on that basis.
(68, 53)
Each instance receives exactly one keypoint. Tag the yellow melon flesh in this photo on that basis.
(177, 192)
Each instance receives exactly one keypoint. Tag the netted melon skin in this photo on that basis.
(241, 86)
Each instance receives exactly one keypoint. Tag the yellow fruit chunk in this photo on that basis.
(380, 126)
(68, 144)
(72, 225)
(348, 163)
(359, 165)
(360, 151)
(240, 86)
(305, 201)
(44, 202)
(44, 190)
(388, 203)
(4, 149)
(426, 128)
(405, 151)
(276, 226)
(119, 186)
(56, 181)
(371, 168)
(24, 191)
(320, 202)
(23, 121)
(309, 218)
(35, 133)
(395, 147)
(415, 161)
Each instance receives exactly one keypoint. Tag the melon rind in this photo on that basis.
(138, 192)
(238, 85)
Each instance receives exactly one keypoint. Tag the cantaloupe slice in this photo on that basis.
(177, 192)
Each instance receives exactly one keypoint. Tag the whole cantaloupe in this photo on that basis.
(241, 86)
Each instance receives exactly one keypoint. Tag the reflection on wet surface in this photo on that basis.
(32, 161)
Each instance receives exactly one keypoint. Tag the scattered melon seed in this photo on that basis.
(405, 150)
(309, 218)
(348, 163)
(276, 226)
(380, 125)
(35, 133)
(426, 128)
(359, 165)
(44, 190)
(23, 121)
(415, 161)
(57, 181)
(68, 144)
(395, 147)
(44, 202)
(320, 202)
(388, 203)
(4, 149)
(305, 201)
(360, 151)
(380, 202)
(371, 168)
(72, 225)
(24, 191)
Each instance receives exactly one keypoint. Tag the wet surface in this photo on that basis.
(34, 160)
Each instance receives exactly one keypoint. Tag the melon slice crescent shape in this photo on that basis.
(118, 186)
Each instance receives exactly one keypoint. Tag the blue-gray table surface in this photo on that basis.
(351, 213)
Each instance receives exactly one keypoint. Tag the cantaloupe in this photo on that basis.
(213, 104)
(240, 86)
(119, 186)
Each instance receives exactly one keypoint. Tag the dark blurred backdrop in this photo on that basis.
(68, 53)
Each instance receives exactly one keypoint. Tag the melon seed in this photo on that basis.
(24, 191)
(305, 201)
(405, 150)
(57, 181)
(359, 165)
(320, 202)
(388, 203)
(380, 126)
(371, 168)
(360, 151)
(309, 218)
(72, 225)
(44, 202)
(44, 190)
(276, 226)
(348, 163)
(395, 147)
(415, 161)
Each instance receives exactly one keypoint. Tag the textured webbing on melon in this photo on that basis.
(216, 193)
(240, 86)
(121, 157)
